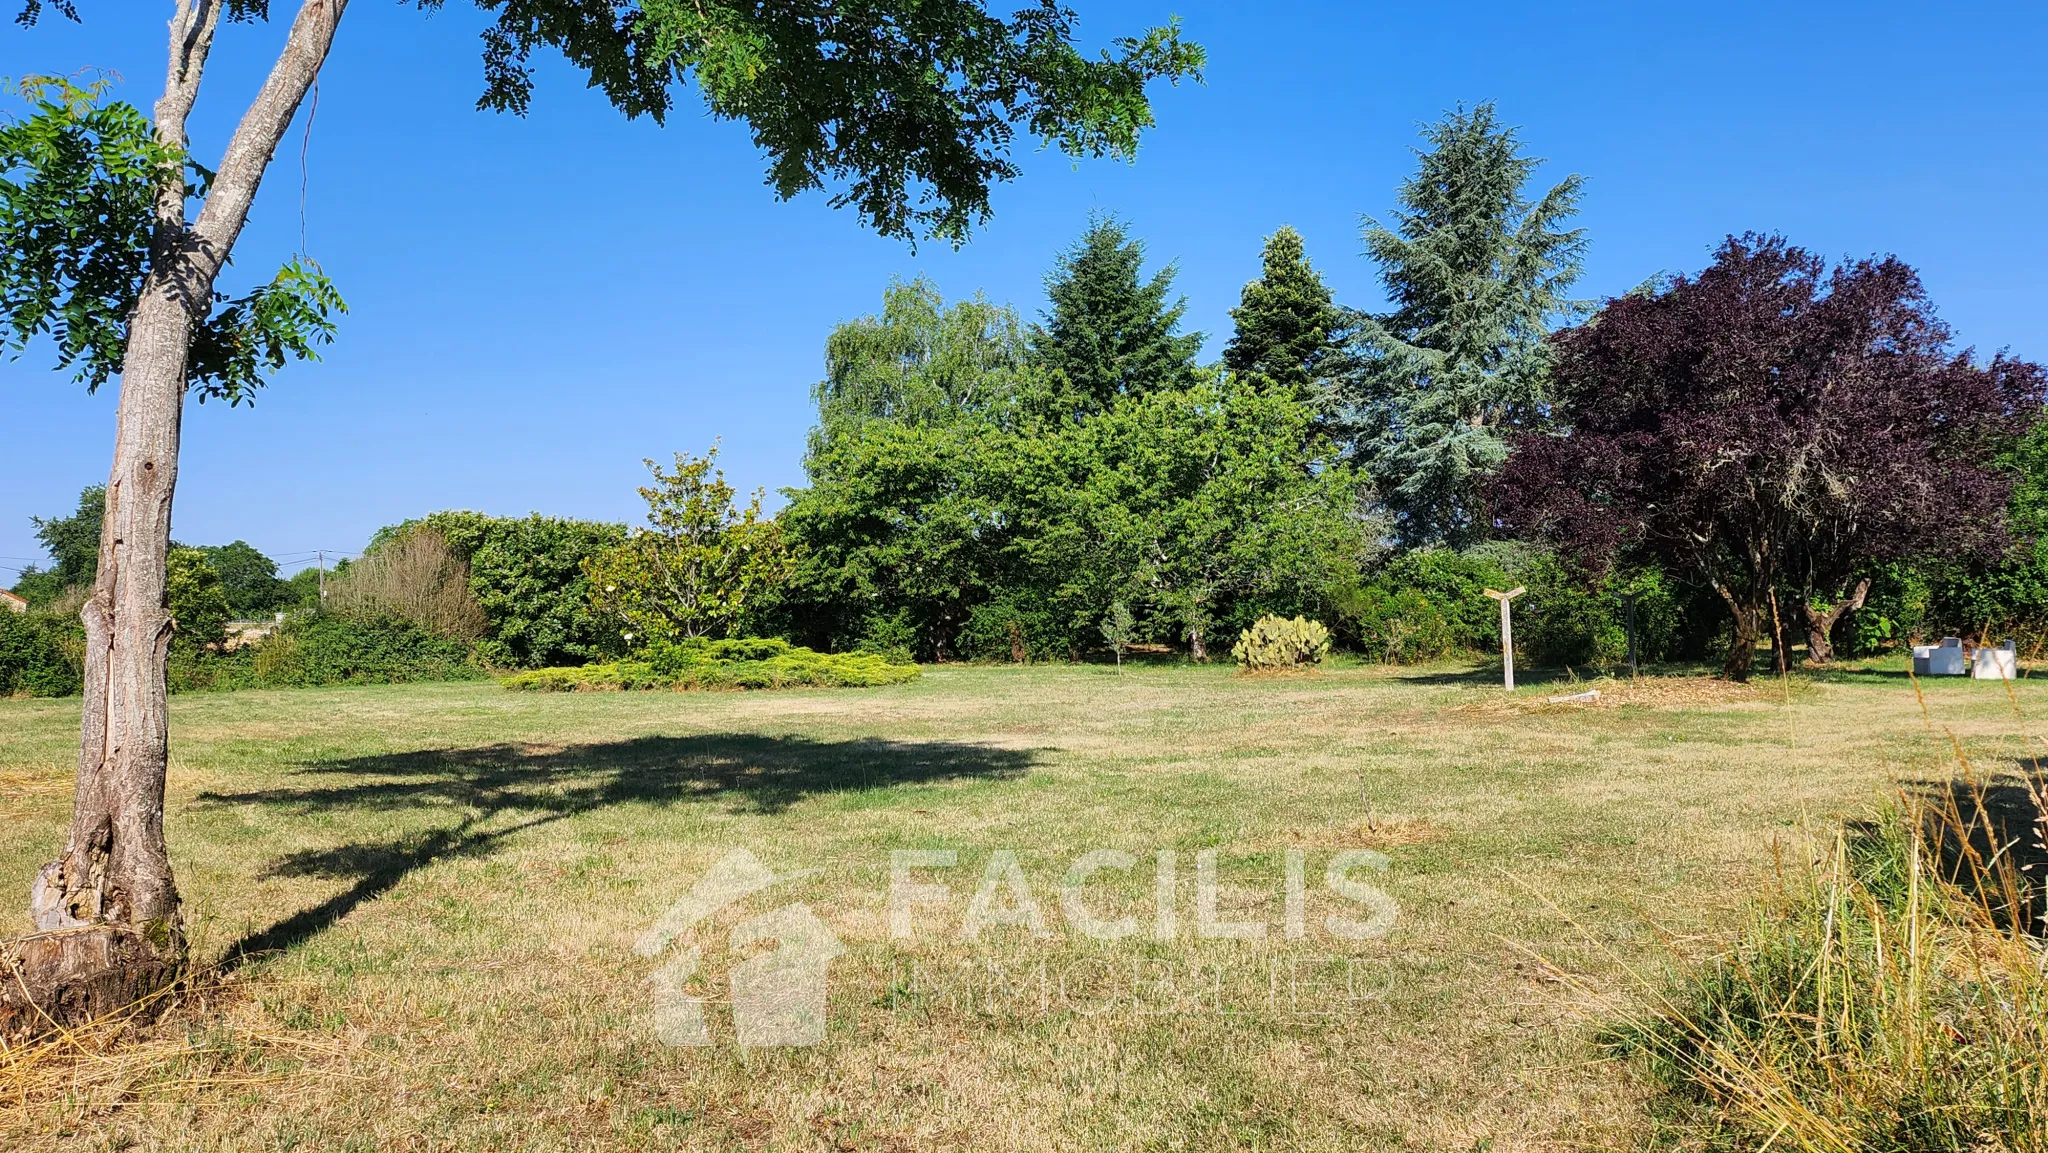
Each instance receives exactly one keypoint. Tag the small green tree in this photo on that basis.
(198, 601)
(694, 571)
(1477, 274)
(1119, 630)
(1289, 330)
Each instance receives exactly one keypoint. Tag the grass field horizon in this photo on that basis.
(427, 899)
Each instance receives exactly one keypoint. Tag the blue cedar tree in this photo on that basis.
(1477, 275)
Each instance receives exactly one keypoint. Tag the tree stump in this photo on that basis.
(67, 977)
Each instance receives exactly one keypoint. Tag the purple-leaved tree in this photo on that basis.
(1768, 425)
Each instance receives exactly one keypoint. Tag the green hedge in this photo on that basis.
(330, 649)
(41, 654)
(729, 664)
(1428, 604)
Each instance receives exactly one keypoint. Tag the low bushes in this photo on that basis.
(1431, 603)
(1278, 643)
(1888, 999)
(727, 664)
(330, 649)
(41, 654)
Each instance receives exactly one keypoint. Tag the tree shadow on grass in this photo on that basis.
(1489, 676)
(503, 790)
(1985, 838)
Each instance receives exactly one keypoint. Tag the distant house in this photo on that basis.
(14, 602)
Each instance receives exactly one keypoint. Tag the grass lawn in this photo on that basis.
(429, 899)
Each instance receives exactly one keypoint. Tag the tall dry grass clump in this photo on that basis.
(416, 577)
(1890, 996)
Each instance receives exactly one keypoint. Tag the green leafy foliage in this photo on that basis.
(527, 575)
(1899, 607)
(302, 588)
(921, 362)
(1279, 643)
(330, 649)
(41, 654)
(723, 664)
(79, 180)
(1477, 274)
(1119, 629)
(248, 579)
(2004, 597)
(997, 515)
(1428, 604)
(250, 336)
(697, 567)
(898, 537)
(910, 107)
(198, 601)
(78, 185)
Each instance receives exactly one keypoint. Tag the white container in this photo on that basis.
(2001, 663)
(1942, 660)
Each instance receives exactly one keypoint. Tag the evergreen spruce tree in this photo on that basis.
(1110, 333)
(1289, 330)
(1477, 275)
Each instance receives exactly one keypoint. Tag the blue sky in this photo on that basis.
(540, 303)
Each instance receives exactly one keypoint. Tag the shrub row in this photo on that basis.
(728, 664)
(1431, 603)
(330, 649)
(41, 654)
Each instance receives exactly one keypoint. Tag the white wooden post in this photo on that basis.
(1507, 634)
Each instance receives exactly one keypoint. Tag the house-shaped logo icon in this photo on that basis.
(778, 996)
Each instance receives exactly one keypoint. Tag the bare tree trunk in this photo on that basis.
(1748, 629)
(1820, 626)
(110, 900)
(1197, 648)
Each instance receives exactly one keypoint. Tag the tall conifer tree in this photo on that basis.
(1110, 333)
(1289, 331)
(1477, 276)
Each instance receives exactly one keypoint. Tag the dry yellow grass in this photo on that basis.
(451, 880)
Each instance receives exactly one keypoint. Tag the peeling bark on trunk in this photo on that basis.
(110, 898)
(82, 974)
(1820, 626)
(1197, 649)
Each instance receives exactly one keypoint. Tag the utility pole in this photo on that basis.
(321, 606)
(1507, 634)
